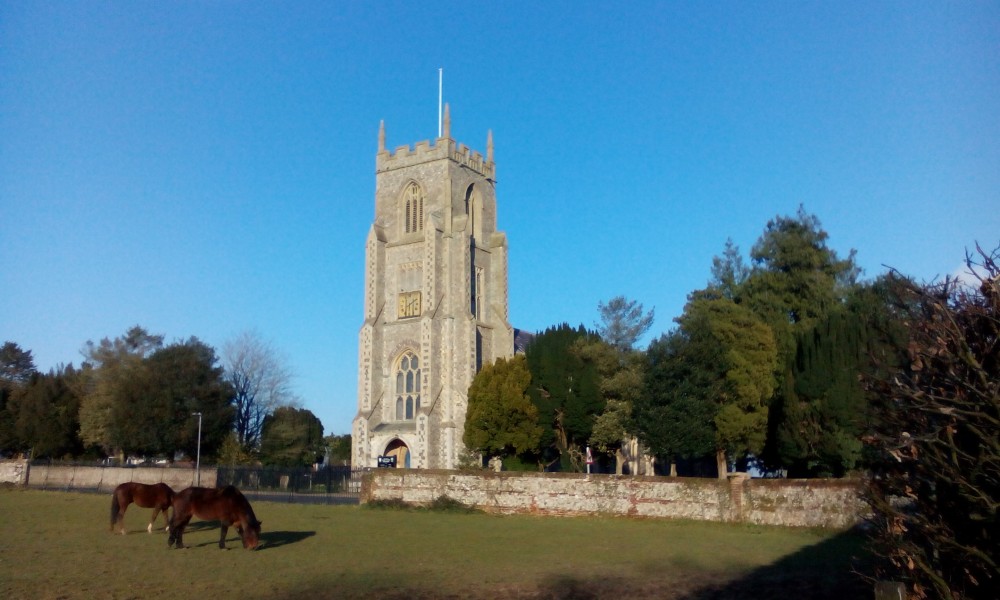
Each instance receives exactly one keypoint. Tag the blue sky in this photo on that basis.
(205, 168)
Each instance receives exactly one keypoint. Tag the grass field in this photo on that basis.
(58, 545)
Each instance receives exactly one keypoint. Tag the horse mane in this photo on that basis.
(238, 496)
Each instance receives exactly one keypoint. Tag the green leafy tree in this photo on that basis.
(729, 272)
(16, 368)
(619, 365)
(796, 275)
(181, 379)
(501, 421)
(935, 487)
(611, 429)
(16, 365)
(566, 390)
(673, 417)
(291, 437)
(233, 453)
(139, 396)
(623, 322)
(112, 378)
(824, 409)
(800, 287)
(46, 415)
(730, 357)
(338, 449)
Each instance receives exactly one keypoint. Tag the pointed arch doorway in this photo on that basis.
(401, 451)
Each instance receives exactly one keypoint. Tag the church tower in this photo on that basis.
(435, 301)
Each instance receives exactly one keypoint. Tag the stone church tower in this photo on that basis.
(435, 301)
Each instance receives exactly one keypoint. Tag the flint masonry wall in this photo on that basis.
(799, 503)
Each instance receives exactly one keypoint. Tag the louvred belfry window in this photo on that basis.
(413, 209)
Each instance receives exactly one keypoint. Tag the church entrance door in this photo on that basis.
(399, 449)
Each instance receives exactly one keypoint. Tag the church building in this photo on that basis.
(436, 305)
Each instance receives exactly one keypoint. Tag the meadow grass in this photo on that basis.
(58, 545)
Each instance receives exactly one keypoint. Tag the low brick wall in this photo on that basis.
(802, 503)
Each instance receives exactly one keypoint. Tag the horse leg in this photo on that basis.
(156, 513)
(177, 532)
(121, 517)
(222, 535)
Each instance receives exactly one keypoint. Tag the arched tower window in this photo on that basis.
(474, 211)
(413, 209)
(407, 386)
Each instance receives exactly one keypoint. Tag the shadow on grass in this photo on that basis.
(268, 539)
(276, 539)
(824, 571)
(828, 570)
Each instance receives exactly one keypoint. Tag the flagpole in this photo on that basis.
(440, 89)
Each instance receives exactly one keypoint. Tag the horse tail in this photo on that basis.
(114, 508)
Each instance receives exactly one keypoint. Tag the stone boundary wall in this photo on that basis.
(797, 503)
(14, 471)
(102, 479)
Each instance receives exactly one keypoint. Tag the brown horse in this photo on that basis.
(227, 506)
(157, 496)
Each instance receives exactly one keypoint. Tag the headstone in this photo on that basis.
(890, 590)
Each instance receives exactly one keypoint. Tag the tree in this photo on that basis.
(566, 390)
(623, 322)
(232, 452)
(501, 421)
(729, 272)
(261, 382)
(291, 437)
(619, 366)
(338, 449)
(935, 487)
(673, 417)
(726, 358)
(797, 285)
(620, 382)
(796, 279)
(111, 377)
(16, 368)
(16, 365)
(824, 409)
(139, 396)
(611, 428)
(46, 415)
(182, 379)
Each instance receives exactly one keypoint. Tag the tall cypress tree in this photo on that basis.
(566, 390)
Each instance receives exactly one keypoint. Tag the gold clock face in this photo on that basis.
(409, 304)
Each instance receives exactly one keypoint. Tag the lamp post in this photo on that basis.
(197, 461)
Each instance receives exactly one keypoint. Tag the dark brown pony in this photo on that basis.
(227, 506)
(157, 496)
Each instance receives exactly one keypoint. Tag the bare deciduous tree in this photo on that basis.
(934, 493)
(262, 382)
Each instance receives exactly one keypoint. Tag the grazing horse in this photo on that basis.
(227, 506)
(157, 496)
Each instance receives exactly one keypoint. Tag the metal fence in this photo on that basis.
(328, 485)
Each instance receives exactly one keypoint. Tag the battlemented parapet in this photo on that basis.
(424, 151)
(444, 147)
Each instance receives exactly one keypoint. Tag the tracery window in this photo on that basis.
(413, 209)
(407, 386)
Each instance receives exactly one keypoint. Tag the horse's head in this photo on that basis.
(250, 534)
